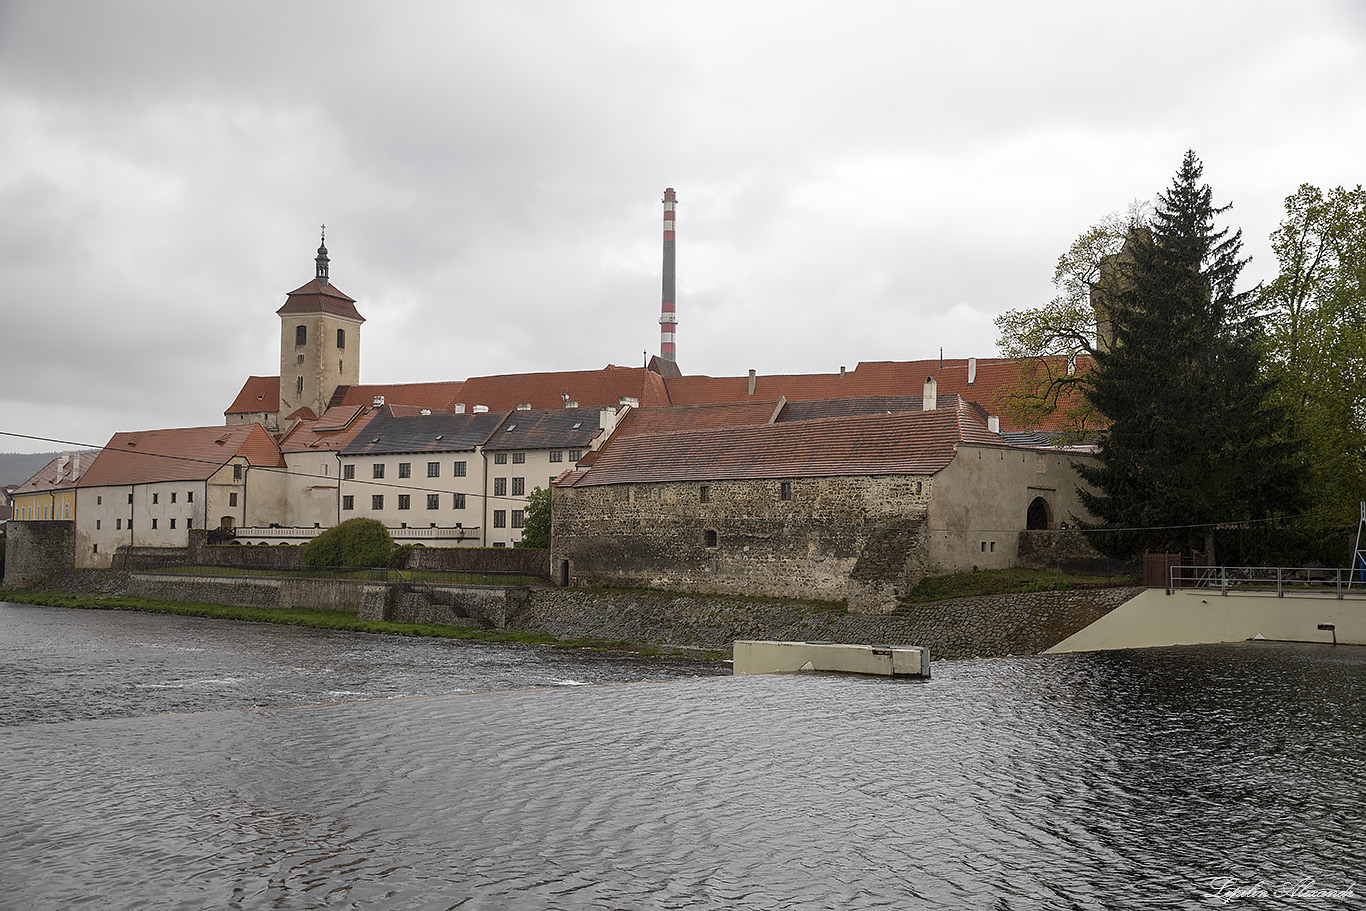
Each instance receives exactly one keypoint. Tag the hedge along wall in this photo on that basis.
(488, 560)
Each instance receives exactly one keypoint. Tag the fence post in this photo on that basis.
(1280, 592)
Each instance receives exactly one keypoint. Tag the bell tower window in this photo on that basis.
(341, 338)
(299, 385)
(301, 335)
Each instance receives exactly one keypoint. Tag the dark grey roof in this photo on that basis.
(440, 432)
(556, 428)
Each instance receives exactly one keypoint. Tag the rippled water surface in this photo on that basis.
(1128, 779)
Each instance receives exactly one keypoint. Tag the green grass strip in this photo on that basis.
(325, 619)
(1006, 582)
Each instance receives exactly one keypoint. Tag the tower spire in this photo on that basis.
(322, 259)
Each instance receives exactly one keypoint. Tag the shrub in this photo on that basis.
(355, 542)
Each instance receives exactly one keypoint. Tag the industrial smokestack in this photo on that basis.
(668, 317)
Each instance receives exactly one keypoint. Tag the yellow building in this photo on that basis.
(50, 495)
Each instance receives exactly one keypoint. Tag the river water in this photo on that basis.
(164, 762)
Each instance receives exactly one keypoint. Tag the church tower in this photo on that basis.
(319, 343)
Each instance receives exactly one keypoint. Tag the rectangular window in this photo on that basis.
(785, 490)
(130, 498)
(173, 496)
(99, 501)
(519, 458)
(377, 470)
(500, 518)
(348, 502)
(154, 498)
(405, 470)
(557, 456)
(519, 487)
(232, 499)
(709, 538)
(237, 472)
(459, 501)
(704, 494)
(499, 544)
(348, 472)
(189, 496)
(173, 524)
(154, 525)
(433, 469)
(433, 501)
(94, 548)
(575, 455)
(500, 487)
(459, 469)
(517, 518)
(377, 501)
(97, 525)
(118, 525)
(500, 458)
(405, 501)
(189, 523)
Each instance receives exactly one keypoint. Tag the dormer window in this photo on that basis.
(301, 335)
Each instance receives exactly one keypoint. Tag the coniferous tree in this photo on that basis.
(1194, 441)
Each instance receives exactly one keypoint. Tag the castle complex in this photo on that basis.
(850, 485)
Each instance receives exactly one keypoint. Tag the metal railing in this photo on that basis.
(1269, 579)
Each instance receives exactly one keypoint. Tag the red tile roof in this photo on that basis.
(331, 432)
(920, 442)
(57, 474)
(316, 297)
(259, 393)
(435, 396)
(677, 418)
(183, 454)
(590, 388)
(994, 381)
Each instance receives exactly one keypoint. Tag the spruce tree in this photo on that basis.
(1194, 441)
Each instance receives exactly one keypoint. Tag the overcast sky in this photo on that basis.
(856, 181)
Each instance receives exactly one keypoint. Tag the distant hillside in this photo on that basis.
(18, 467)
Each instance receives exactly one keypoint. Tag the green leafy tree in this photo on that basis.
(536, 523)
(1050, 340)
(355, 542)
(1316, 347)
(1194, 439)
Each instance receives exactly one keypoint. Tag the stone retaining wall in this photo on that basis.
(35, 551)
(997, 625)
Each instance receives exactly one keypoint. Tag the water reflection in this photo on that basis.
(1131, 779)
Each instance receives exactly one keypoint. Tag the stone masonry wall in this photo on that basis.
(744, 539)
(38, 550)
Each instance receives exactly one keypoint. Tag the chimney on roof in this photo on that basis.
(458, 408)
(379, 401)
(571, 404)
(62, 463)
(972, 370)
(751, 382)
(523, 406)
(841, 371)
(426, 411)
(993, 423)
(632, 401)
(929, 402)
(668, 315)
(607, 419)
(1072, 364)
(75, 468)
(481, 409)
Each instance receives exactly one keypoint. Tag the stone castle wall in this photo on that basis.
(35, 551)
(744, 538)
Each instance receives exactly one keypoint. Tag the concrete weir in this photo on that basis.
(765, 657)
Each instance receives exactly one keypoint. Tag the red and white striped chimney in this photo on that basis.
(668, 316)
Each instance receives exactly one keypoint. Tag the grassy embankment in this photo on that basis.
(325, 619)
(1007, 582)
